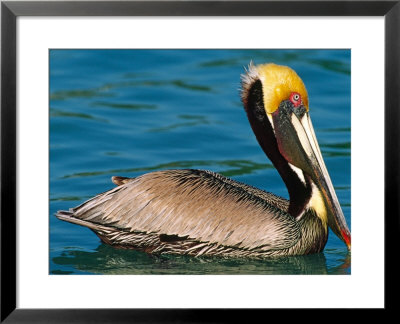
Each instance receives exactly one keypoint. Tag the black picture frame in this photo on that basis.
(10, 10)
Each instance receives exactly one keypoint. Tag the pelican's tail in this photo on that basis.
(68, 216)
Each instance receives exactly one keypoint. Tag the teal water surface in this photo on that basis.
(128, 112)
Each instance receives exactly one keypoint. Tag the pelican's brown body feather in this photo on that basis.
(191, 212)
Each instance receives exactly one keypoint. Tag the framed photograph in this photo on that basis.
(98, 117)
(282, 115)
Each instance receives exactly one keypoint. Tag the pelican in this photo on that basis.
(198, 212)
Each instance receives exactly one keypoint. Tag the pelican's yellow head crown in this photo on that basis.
(278, 83)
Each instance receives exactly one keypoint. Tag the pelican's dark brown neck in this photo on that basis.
(299, 190)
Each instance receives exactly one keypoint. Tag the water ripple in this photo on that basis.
(81, 93)
(124, 105)
(236, 167)
(195, 120)
(60, 113)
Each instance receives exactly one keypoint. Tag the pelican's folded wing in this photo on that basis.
(196, 204)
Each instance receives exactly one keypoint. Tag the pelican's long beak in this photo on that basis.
(298, 144)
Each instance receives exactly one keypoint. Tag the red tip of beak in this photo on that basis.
(347, 239)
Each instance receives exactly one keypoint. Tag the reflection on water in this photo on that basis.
(107, 260)
(128, 112)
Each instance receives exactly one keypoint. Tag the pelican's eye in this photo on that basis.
(295, 98)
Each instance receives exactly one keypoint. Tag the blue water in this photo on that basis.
(128, 112)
